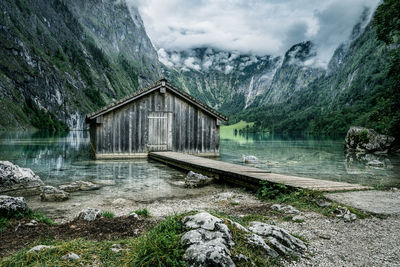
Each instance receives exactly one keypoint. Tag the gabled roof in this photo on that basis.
(157, 85)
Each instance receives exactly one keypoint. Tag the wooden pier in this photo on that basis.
(245, 175)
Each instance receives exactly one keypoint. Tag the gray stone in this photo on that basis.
(345, 214)
(40, 248)
(193, 180)
(31, 223)
(250, 159)
(285, 209)
(201, 220)
(50, 193)
(15, 180)
(257, 241)
(209, 253)
(79, 186)
(207, 242)
(279, 238)
(10, 205)
(134, 215)
(367, 140)
(89, 214)
(71, 256)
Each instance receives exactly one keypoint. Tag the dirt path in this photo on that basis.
(374, 201)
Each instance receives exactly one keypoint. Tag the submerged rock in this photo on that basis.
(79, 186)
(11, 205)
(366, 140)
(15, 180)
(89, 214)
(376, 163)
(193, 179)
(50, 193)
(250, 159)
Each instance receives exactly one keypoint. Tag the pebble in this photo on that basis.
(71, 256)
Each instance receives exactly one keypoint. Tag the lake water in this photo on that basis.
(59, 160)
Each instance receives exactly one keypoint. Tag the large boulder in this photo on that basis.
(50, 193)
(12, 205)
(208, 241)
(15, 180)
(361, 139)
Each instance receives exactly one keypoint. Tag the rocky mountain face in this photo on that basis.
(61, 59)
(227, 81)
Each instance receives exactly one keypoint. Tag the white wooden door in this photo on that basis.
(160, 131)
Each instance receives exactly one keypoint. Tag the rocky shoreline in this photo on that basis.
(340, 239)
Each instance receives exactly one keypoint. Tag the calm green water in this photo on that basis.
(59, 160)
(316, 157)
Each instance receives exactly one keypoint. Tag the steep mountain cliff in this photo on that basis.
(227, 81)
(60, 59)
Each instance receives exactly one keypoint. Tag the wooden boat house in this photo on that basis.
(161, 117)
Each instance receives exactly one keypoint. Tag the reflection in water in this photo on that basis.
(62, 159)
(321, 158)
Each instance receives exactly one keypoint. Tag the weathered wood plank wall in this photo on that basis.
(125, 130)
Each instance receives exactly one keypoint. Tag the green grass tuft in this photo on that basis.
(143, 212)
(40, 217)
(160, 246)
(108, 214)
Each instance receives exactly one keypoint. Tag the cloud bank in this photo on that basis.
(261, 27)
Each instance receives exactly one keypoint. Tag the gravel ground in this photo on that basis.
(332, 241)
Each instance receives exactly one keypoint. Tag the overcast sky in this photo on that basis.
(262, 27)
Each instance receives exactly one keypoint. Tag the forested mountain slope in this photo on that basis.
(61, 59)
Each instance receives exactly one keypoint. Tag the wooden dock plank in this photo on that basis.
(251, 176)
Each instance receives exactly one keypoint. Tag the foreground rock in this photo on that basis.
(79, 186)
(366, 140)
(279, 238)
(50, 193)
(209, 241)
(89, 214)
(15, 180)
(193, 180)
(11, 205)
